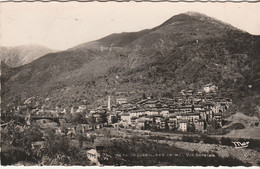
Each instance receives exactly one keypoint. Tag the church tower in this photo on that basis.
(109, 103)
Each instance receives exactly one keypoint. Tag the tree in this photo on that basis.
(225, 141)
(103, 117)
(144, 96)
(91, 120)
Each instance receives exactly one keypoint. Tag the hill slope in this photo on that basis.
(187, 51)
(20, 55)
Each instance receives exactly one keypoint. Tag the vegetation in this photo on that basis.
(19, 145)
(188, 55)
(137, 151)
(185, 52)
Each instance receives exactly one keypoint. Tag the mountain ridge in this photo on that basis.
(23, 54)
(184, 53)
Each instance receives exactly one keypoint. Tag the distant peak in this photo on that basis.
(193, 13)
(210, 19)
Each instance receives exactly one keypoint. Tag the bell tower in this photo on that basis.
(109, 103)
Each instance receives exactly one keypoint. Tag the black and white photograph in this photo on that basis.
(130, 84)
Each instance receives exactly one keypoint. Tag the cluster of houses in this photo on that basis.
(188, 112)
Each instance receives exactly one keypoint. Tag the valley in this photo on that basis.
(187, 86)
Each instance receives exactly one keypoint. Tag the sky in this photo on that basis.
(61, 26)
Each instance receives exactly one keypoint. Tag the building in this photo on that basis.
(172, 124)
(163, 124)
(134, 120)
(112, 118)
(141, 124)
(210, 88)
(109, 103)
(121, 100)
(199, 125)
(125, 117)
(218, 118)
(183, 125)
(151, 112)
(193, 117)
(151, 103)
(92, 155)
(165, 112)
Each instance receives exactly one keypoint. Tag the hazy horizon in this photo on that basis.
(60, 26)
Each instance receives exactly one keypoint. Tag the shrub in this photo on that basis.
(225, 141)
(209, 140)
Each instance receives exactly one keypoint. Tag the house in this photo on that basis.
(183, 125)
(210, 88)
(209, 98)
(158, 120)
(141, 124)
(163, 124)
(165, 112)
(150, 119)
(182, 116)
(121, 100)
(134, 113)
(218, 118)
(198, 107)
(133, 120)
(199, 125)
(193, 117)
(185, 109)
(92, 155)
(151, 103)
(125, 117)
(112, 118)
(175, 110)
(172, 124)
(152, 112)
(82, 108)
(140, 112)
(208, 105)
(203, 114)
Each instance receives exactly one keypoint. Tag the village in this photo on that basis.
(189, 112)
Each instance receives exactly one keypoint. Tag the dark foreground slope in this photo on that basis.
(187, 51)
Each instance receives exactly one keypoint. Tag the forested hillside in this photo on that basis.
(185, 52)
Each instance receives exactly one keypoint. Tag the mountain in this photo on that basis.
(189, 26)
(20, 55)
(186, 52)
(114, 40)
